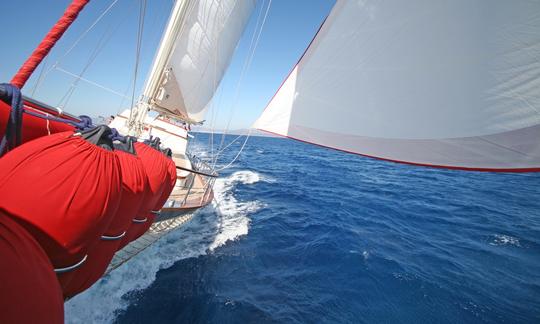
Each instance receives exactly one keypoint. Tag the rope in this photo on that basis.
(12, 137)
(237, 155)
(231, 143)
(84, 122)
(48, 42)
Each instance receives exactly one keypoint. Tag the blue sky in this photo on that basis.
(289, 28)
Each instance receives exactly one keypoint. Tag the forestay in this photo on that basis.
(200, 51)
(452, 84)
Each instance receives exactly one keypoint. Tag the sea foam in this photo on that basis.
(226, 220)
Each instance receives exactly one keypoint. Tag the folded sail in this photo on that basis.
(452, 84)
(199, 53)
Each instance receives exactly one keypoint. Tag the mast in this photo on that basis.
(174, 26)
(195, 51)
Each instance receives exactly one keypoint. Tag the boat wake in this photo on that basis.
(226, 220)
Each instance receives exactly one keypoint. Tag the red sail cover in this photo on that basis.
(64, 190)
(171, 168)
(33, 127)
(82, 278)
(158, 181)
(134, 192)
(29, 291)
(169, 183)
(134, 189)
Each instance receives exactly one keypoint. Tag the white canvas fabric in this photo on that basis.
(201, 53)
(434, 82)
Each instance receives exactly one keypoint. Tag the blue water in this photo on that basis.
(310, 235)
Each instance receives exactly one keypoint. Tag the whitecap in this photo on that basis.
(365, 254)
(501, 239)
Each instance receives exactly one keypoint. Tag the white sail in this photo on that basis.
(194, 54)
(442, 83)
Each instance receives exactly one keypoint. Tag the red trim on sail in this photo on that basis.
(515, 170)
(48, 42)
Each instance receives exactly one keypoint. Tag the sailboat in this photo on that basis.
(104, 193)
(191, 60)
(446, 84)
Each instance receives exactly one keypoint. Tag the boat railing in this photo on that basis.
(203, 189)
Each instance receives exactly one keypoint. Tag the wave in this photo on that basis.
(226, 220)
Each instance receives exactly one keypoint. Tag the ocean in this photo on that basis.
(303, 234)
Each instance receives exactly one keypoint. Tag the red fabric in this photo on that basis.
(134, 186)
(29, 291)
(134, 192)
(172, 179)
(157, 173)
(48, 42)
(64, 190)
(33, 127)
(82, 278)
(168, 184)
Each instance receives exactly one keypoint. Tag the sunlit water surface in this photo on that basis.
(302, 234)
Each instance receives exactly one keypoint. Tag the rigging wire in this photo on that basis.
(142, 13)
(101, 44)
(123, 96)
(40, 77)
(251, 52)
(211, 137)
(236, 98)
(215, 111)
(231, 143)
(55, 65)
(238, 154)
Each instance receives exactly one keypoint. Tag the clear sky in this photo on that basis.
(290, 26)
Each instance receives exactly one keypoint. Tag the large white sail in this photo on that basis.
(442, 83)
(194, 54)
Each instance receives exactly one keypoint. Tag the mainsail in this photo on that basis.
(194, 55)
(452, 84)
